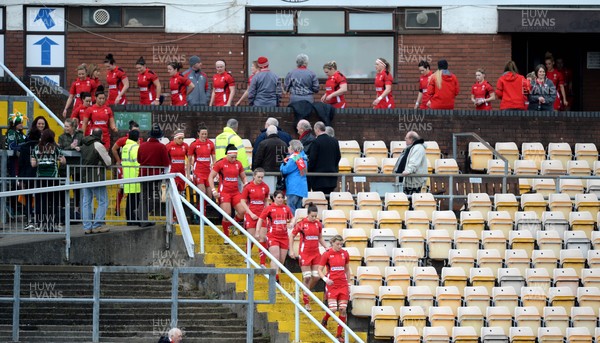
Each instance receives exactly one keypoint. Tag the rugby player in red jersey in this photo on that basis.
(383, 85)
(335, 86)
(254, 197)
(223, 86)
(148, 83)
(179, 85)
(83, 84)
(117, 81)
(100, 116)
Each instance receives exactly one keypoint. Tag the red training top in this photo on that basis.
(178, 85)
(309, 236)
(80, 86)
(177, 156)
(482, 91)
(114, 79)
(336, 262)
(382, 79)
(332, 84)
(221, 84)
(558, 79)
(279, 216)
(99, 117)
(255, 196)
(147, 87)
(202, 151)
(229, 172)
(423, 83)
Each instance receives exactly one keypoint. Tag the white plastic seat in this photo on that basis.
(550, 335)
(496, 167)
(538, 277)
(449, 296)
(534, 297)
(579, 335)
(522, 335)
(500, 221)
(508, 150)
(397, 276)
(389, 220)
(388, 164)
(587, 202)
(571, 186)
(350, 150)
(556, 317)
(517, 259)
(560, 202)
(427, 277)
(479, 202)
(355, 238)
(506, 202)
(561, 297)
(560, 151)
(506, 297)
(479, 156)
(589, 297)
(521, 239)
(375, 149)
(369, 276)
(420, 296)
(396, 202)
(383, 238)
(582, 221)
(566, 277)
(511, 277)
(470, 316)
(363, 298)
(425, 202)
(406, 334)
(393, 296)
(577, 240)
(555, 221)
(544, 187)
(465, 334)
(483, 277)
(528, 316)
(477, 296)
(445, 166)
(552, 167)
(335, 219)
(438, 244)
(412, 239)
(328, 233)
(413, 316)
(472, 220)
(461, 258)
(587, 152)
(417, 220)
(549, 240)
(582, 168)
(584, 317)
(397, 147)
(592, 186)
(468, 240)
(318, 199)
(378, 258)
(596, 240)
(363, 219)
(432, 152)
(572, 258)
(494, 239)
(342, 201)
(533, 151)
(370, 201)
(525, 167)
(435, 334)
(528, 220)
(366, 165)
(499, 317)
(590, 277)
(490, 258)
(384, 320)
(405, 257)
(454, 276)
(444, 220)
(544, 259)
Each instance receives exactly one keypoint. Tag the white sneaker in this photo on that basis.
(30, 227)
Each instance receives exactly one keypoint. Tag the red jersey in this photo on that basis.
(99, 117)
(279, 216)
(202, 151)
(123, 140)
(336, 262)
(114, 79)
(332, 84)
(558, 79)
(229, 174)
(423, 82)
(147, 87)
(383, 79)
(443, 98)
(482, 91)
(255, 196)
(221, 84)
(79, 112)
(95, 83)
(178, 85)
(79, 86)
(177, 155)
(310, 232)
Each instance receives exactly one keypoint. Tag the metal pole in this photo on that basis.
(3, 169)
(451, 192)
(297, 315)
(202, 212)
(250, 308)
(16, 303)
(67, 219)
(96, 307)
(174, 290)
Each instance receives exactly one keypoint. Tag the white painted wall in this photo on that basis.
(469, 19)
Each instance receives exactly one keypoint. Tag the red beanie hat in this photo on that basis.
(263, 62)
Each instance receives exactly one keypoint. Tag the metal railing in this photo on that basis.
(97, 300)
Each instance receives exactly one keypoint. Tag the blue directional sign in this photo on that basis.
(45, 51)
(46, 44)
(44, 15)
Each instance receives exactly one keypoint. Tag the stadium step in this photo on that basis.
(282, 312)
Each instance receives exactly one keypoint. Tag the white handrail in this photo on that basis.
(31, 94)
(298, 283)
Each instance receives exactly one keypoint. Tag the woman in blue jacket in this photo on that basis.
(294, 168)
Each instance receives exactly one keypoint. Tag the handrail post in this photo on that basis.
(297, 315)
(201, 216)
(250, 307)
(67, 219)
(451, 192)
(16, 303)
(174, 296)
(96, 306)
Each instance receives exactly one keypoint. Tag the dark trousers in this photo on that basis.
(131, 208)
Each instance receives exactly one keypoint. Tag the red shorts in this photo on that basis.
(201, 180)
(249, 223)
(338, 292)
(282, 243)
(385, 103)
(180, 184)
(233, 198)
(310, 259)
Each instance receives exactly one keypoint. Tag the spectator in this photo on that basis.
(543, 91)
(330, 131)
(412, 161)
(305, 133)
(153, 159)
(253, 70)
(27, 173)
(14, 138)
(149, 84)
(175, 335)
(383, 85)
(179, 85)
(131, 170)
(47, 157)
(512, 88)
(293, 169)
(117, 82)
(40, 123)
(229, 136)
(323, 157)
(423, 97)
(270, 155)
(442, 88)
(71, 140)
(482, 93)
(301, 83)
(200, 95)
(119, 144)
(95, 158)
(282, 134)
(265, 88)
(82, 84)
(223, 86)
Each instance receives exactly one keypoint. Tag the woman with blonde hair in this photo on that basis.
(482, 93)
(335, 86)
(442, 88)
(83, 84)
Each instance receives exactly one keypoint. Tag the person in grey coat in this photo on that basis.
(543, 91)
(200, 95)
(412, 161)
(301, 83)
(265, 88)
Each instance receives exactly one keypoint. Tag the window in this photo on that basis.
(353, 39)
(123, 17)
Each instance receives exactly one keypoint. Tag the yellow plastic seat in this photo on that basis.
(369, 276)
(454, 276)
(589, 296)
(424, 202)
(584, 317)
(522, 335)
(587, 152)
(349, 150)
(490, 258)
(471, 317)
(472, 220)
(438, 243)
(335, 219)
(538, 277)
(375, 149)
(420, 296)
(534, 297)
(318, 199)
(483, 277)
(508, 150)
(397, 276)
(344, 166)
(499, 221)
(528, 317)
(561, 297)
(389, 220)
(396, 148)
(366, 165)
(363, 298)
(406, 257)
(445, 166)
(506, 202)
(384, 320)
(479, 156)
(505, 297)
(378, 258)
(544, 259)
(552, 167)
(533, 151)
(560, 151)
(396, 202)
(413, 316)
(579, 168)
(370, 201)
(499, 316)
(406, 334)
(392, 296)
(388, 164)
(449, 296)
(479, 202)
(556, 317)
(477, 296)
(494, 240)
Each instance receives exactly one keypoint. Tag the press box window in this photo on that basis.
(101, 17)
(143, 17)
(321, 22)
(128, 17)
(272, 22)
(371, 22)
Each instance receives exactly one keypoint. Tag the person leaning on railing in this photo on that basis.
(71, 140)
(412, 161)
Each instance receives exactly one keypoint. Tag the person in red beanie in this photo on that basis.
(442, 88)
(512, 88)
(265, 87)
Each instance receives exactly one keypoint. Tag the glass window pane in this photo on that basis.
(320, 22)
(144, 17)
(371, 22)
(355, 56)
(272, 21)
(101, 17)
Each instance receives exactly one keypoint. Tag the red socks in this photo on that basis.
(263, 256)
(326, 317)
(339, 328)
(226, 224)
(305, 298)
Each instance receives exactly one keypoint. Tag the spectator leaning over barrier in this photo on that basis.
(131, 170)
(305, 133)
(229, 136)
(263, 134)
(71, 140)
(95, 158)
(270, 155)
(293, 169)
(412, 161)
(153, 159)
(323, 157)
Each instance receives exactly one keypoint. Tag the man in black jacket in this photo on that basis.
(323, 157)
(269, 155)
